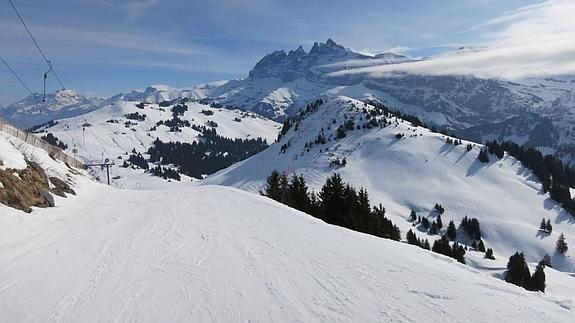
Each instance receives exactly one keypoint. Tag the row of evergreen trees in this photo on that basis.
(337, 203)
(433, 226)
(555, 176)
(135, 116)
(165, 172)
(412, 238)
(179, 110)
(471, 227)
(54, 141)
(175, 124)
(289, 121)
(455, 142)
(137, 160)
(415, 121)
(209, 155)
(455, 250)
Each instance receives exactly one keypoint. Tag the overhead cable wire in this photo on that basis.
(48, 62)
(16, 75)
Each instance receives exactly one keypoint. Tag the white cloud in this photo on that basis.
(534, 40)
(135, 9)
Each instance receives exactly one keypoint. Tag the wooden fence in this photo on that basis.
(53, 151)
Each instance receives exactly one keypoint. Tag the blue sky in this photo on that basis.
(105, 47)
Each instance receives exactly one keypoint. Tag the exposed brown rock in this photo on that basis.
(61, 187)
(30, 187)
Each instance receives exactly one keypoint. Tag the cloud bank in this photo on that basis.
(534, 40)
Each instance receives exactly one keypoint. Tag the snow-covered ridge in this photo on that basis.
(114, 131)
(415, 172)
(156, 94)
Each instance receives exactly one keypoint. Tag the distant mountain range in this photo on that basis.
(535, 112)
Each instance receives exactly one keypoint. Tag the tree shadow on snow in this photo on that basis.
(475, 167)
(541, 234)
(446, 149)
(465, 152)
(562, 215)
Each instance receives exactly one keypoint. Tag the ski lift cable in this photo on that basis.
(104, 151)
(48, 62)
(67, 132)
(16, 75)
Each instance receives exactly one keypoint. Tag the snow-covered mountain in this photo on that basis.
(281, 83)
(411, 168)
(157, 94)
(33, 110)
(114, 131)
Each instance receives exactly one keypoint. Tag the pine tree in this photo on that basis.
(412, 216)
(561, 246)
(489, 254)
(298, 196)
(538, 279)
(439, 222)
(333, 200)
(517, 271)
(481, 246)
(483, 156)
(273, 186)
(543, 225)
(411, 238)
(458, 252)
(451, 231)
(548, 227)
(425, 223)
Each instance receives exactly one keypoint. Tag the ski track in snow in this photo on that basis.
(219, 254)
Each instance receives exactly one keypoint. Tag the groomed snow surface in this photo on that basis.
(193, 254)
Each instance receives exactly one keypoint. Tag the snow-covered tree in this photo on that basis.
(561, 245)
